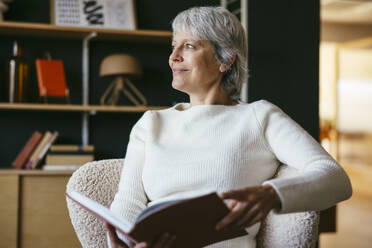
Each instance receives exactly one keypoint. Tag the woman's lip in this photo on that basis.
(178, 71)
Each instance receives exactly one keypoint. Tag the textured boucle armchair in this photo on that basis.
(99, 180)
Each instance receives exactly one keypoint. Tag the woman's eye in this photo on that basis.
(189, 46)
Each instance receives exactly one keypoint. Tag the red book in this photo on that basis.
(51, 78)
(25, 153)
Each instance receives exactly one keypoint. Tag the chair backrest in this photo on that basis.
(99, 180)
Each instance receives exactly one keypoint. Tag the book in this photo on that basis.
(192, 220)
(68, 159)
(51, 78)
(31, 163)
(45, 149)
(70, 152)
(72, 148)
(25, 153)
(61, 167)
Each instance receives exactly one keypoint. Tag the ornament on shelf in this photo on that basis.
(123, 67)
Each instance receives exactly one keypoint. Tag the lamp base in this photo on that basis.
(112, 93)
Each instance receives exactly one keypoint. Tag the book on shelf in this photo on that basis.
(27, 150)
(61, 167)
(192, 220)
(51, 79)
(68, 159)
(72, 148)
(41, 149)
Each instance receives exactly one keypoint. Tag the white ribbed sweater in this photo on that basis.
(187, 151)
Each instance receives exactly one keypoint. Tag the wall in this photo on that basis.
(284, 57)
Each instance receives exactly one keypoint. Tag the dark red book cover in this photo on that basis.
(192, 220)
(51, 78)
(25, 153)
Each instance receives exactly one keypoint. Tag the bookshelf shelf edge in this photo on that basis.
(48, 30)
(77, 108)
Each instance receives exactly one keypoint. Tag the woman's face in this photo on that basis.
(195, 69)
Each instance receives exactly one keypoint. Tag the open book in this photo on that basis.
(192, 220)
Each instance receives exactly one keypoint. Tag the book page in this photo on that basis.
(148, 211)
(100, 211)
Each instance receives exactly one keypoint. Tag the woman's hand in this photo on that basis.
(164, 241)
(248, 206)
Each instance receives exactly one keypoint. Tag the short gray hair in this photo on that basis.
(227, 36)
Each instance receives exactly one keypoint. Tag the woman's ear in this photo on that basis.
(224, 68)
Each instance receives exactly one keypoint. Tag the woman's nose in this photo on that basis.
(176, 55)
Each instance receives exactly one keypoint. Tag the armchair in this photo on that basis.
(99, 180)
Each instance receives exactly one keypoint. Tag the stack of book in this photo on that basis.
(35, 150)
(68, 157)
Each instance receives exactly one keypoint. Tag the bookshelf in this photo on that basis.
(25, 29)
(84, 34)
(20, 213)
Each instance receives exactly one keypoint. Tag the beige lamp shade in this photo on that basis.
(123, 67)
(120, 64)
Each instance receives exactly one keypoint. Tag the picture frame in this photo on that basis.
(111, 14)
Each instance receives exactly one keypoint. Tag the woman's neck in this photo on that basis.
(218, 98)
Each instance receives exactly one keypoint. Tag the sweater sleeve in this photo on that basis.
(321, 182)
(131, 197)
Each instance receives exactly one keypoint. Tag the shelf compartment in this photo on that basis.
(77, 108)
(52, 31)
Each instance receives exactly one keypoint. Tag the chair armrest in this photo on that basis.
(289, 230)
(98, 180)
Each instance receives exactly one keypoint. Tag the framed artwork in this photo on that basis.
(115, 14)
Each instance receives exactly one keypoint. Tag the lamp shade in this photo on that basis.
(120, 64)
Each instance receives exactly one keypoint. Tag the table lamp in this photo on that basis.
(124, 67)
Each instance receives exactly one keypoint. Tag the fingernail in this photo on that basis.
(143, 244)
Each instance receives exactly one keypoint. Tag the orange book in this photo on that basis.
(51, 78)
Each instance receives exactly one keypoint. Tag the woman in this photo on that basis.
(217, 143)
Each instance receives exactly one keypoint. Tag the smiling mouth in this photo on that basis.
(178, 71)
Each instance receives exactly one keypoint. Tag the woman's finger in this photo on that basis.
(161, 241)
(261, 216)
(231, 204)
(112, 233)
(256, 219)
(115, 241)
(141, 245)
(234, 194)
(258, 216)
(249, 215)
(235, 214)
